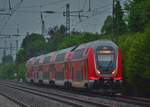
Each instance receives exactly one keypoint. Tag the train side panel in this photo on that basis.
(118, 76)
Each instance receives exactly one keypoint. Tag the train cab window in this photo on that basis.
(60, 57)
(105, 59)
(78, 54)
(47, 59)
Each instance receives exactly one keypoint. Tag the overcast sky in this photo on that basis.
(27, 17)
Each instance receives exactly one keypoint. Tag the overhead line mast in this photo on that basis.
(68, 15)
(113, 13)
(9, 5)
(89, 5)
(43, 24)
(68, 18)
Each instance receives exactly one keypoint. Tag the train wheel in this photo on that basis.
(68, 85)
(51, 83)
(32, 81)
(40, 82)
(86, 86)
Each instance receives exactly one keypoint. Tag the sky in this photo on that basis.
(26, 17)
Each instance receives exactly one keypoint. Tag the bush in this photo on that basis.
(12, 71)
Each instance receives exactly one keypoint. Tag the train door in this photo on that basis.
(40, 73)
(60, 68)
(68, 73)
(59, 71)
(78, 68)
(52, 71)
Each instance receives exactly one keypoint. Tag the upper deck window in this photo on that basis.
(60, 57)
(78, 54)
(37, 61)
(47, 59)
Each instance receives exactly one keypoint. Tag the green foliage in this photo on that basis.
(7, 71)
(21, 71)
(79, 38)
(12, 71)
(138, 14)
(136, 62)
(32, 45)
(117, 22)
(56, 37)
(107, 27)
(35, 44)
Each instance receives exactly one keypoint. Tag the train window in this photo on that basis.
(40, 68)
(51, 68)
(60, 75)
(105, 57)
(37, 61)
(79, 75)
(60, 57)
(47, 59)
(46, 75)
(78, 54)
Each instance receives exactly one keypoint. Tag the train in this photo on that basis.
(94, 65)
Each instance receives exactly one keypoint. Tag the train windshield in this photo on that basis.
(105, 59)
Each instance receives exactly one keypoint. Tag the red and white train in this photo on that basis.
(94, 65)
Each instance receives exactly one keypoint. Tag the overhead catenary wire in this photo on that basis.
(106, 9)
(45, 4)
(12, 12)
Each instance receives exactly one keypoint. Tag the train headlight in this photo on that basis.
(114, 72)
(98, 72)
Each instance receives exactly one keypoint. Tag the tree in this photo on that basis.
(62, 29)
(107, 27)
(138, 14)
(7, 71)
(119, 24)
(32, 45)
(57, 34)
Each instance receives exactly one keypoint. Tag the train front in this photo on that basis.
(108, 66)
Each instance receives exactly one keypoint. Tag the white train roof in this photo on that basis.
(97, 43)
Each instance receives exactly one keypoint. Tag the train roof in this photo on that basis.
(92, 44)
(50, 54)
(65, 50)
(96, 43)
(30, 61)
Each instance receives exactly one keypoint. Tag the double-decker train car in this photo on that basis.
(93, 65)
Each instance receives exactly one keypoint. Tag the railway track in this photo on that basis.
(63, 98)
(136, 100)
(81, 100)
(20, 103)
(127, 99)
